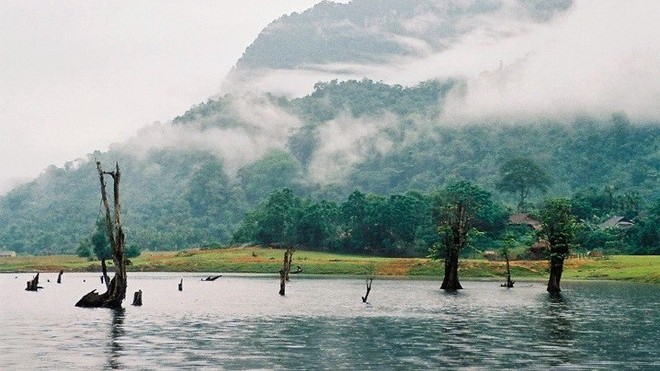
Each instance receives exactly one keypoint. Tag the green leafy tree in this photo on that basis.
(274, 222)
(84, 249)
(457, 208)
(558, 226)
(318, 225)
(648, 231)
(132, 251)
(354, 218)
(520, 176)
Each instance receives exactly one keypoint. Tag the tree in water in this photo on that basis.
(558, 227)
(521, 175)
(286, 268)
(371, 274)
(116, 288)
(457, 209)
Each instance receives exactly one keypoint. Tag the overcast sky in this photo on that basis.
(76, 76)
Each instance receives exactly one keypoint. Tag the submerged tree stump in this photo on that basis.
(282, 282)
(286, 268)
(508, 283)
(137, 298)
(33, 285)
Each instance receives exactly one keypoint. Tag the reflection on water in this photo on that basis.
(558, 324)
(241, 322)
(116, 335)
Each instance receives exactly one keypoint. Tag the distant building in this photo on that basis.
(525, 219)
(7, 254)
(617, 222)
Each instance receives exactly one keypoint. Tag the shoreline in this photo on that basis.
(642, 268)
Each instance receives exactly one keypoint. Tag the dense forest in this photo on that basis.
(349, 142)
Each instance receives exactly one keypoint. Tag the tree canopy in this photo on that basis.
(521, 175)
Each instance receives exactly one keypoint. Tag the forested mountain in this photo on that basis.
(368, 31)
(353, 135)
(192, 181)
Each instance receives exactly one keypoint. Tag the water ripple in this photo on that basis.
(241, 323)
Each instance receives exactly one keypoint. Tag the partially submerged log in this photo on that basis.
(211, 278)
(33, 285)
(116, 288)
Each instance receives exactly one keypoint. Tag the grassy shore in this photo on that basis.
(261, 260)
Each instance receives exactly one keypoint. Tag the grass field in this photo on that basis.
(263, 260)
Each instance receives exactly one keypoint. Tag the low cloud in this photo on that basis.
(266, 127)
(346, 141)
(595, 58)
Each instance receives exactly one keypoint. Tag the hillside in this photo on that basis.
(367, 31)
(192, 181)
(350, 135)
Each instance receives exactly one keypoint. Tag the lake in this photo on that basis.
(240, 322)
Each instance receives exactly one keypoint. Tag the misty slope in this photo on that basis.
(180, 190)
(368, 31)
(191, 181)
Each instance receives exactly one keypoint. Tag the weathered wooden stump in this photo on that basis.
(33, 285)
(282, 282)
(286, 268)
(137, 298)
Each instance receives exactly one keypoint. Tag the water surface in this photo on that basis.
(240, 322)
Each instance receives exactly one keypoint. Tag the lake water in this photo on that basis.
(240, 322)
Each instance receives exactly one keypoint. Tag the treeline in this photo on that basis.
(407, 225)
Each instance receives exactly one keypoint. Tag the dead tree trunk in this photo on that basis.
(59, 276)
(33, 285)
(508, 283)
(116, 288)
(286, 267)
(104, 278)
(288, 263)
(366, 296)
